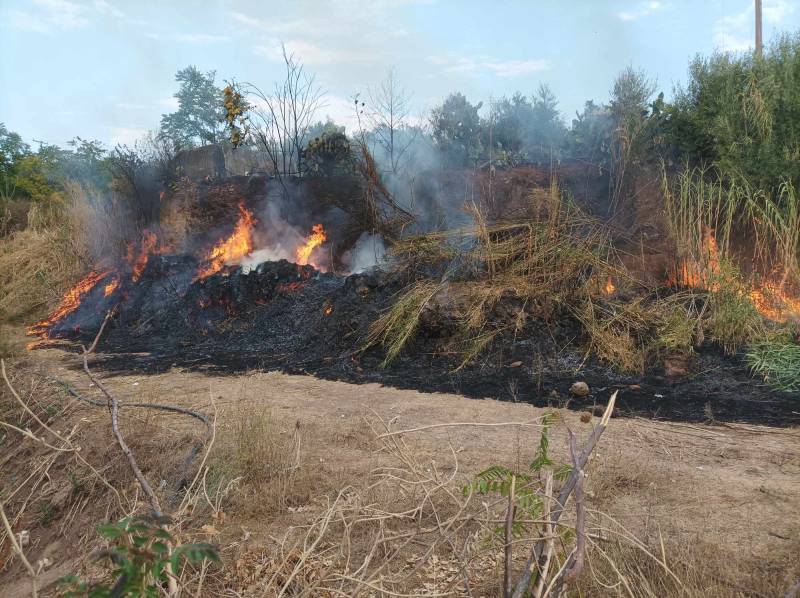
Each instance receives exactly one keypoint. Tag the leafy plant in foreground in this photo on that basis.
(528, 489)
(141, 559)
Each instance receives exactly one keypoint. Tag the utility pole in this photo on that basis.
(759, 42)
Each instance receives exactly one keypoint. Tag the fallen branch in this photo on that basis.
(113, 406)
(182, 479)
(509, 536)
(66, 440)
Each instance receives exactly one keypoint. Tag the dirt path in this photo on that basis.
(728, 493)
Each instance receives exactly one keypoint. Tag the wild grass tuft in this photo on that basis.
(776, 359)
(733, 321)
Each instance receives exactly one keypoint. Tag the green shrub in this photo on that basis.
(141, 560)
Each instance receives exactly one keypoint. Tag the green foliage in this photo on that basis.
(457, 130)
(140, 557)
(589, 139)
(526, 129)
(32, 178)
(733, 321)
(12, 149)
(777, 360)
(741, 112)
(201, 110)
(499, 479)
(329, 152)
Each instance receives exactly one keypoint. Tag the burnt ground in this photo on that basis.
(296, 320)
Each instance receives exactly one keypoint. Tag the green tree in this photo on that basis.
(457, 130)
(589, 138)
(546, 131)
(742, 113)
(12, 149)
(200, 117)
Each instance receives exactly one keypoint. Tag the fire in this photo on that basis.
(111, 286)
(700, 274)
(69, 302)
(609, 289)
(235, 247)
(146, 246)
(774, 303)
(770, 299)
(317, 238)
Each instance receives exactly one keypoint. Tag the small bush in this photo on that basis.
(141, 560)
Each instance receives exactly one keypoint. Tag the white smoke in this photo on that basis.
(368, 252)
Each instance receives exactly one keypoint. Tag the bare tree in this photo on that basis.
(390, 107)
(279, 122)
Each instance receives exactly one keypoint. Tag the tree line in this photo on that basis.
(738, 111)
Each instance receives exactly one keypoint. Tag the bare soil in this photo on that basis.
(724, 499)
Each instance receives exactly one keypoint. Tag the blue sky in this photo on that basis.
(104, 69)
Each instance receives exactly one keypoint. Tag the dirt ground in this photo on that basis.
(727, 495)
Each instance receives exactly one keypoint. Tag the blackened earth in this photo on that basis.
(291, 318)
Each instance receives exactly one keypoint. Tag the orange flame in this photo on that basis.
(69, 302)
(700, 273)
(609, 289)
(769, 299)
(774, 303)
(317, 238)
(146, 246)
(111, 286)
(235, 247)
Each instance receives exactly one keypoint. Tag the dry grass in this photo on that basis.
(265, 457)
(41, 262)
(543, 267)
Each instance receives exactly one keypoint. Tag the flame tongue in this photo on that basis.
(317, 238)
(70, 301)
(235, 247)
(146, 247)
(774, 303)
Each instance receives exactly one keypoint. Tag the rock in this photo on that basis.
(676, 366)
(579, 389)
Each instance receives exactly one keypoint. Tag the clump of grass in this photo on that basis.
(777, 359)
(678, 326)
(733, 321)
(264, 457)
(41, 262)
(618, 331)
(399, 323)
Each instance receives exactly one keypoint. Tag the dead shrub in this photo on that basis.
(266, 457)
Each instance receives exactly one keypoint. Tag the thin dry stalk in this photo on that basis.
(18, 551)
